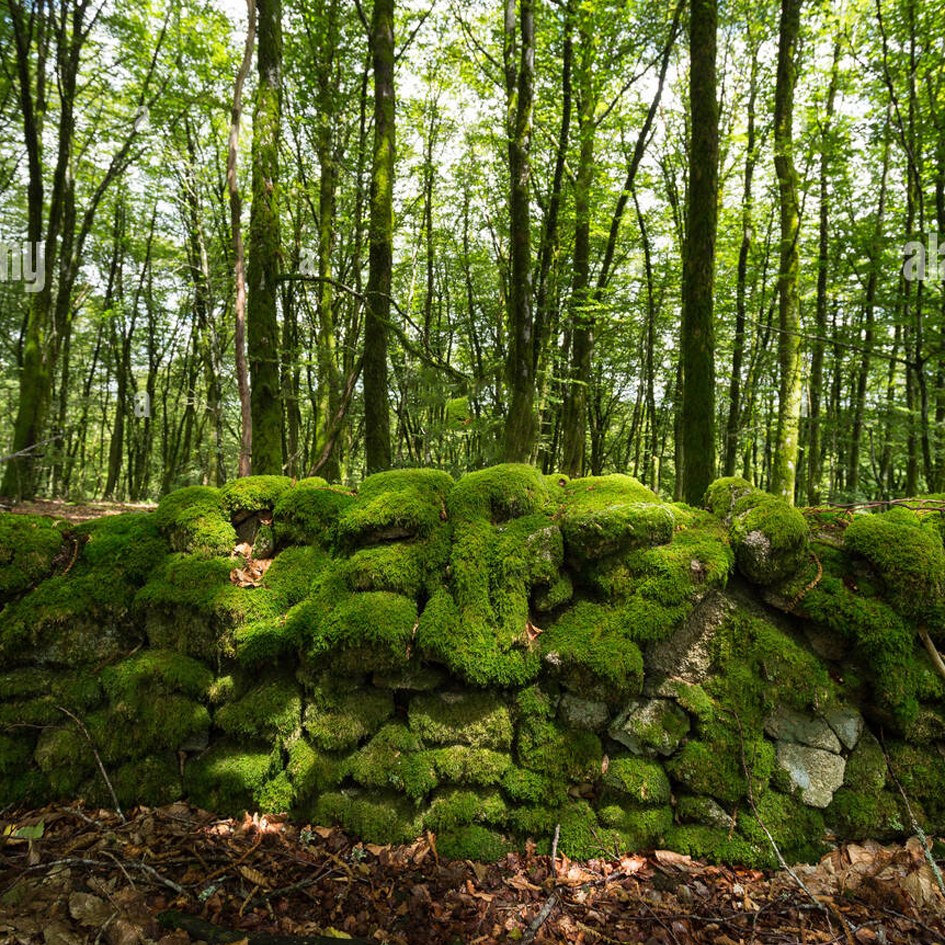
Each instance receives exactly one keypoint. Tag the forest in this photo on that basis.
(324, 238)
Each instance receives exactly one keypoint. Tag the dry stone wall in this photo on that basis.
(485, 658)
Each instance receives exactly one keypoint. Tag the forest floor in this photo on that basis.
(74, 512)
(178, 875)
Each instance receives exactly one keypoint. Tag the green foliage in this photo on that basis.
(229, 778)
(472, 842)
(377, 819)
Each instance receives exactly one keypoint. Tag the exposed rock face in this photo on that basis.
(687, 654)
(817, 773)
(651, 727)
(788, 726)
(484, 658)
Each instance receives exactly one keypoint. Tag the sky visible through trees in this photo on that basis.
(674, 240)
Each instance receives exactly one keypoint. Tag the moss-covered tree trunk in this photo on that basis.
(376, 405)
(814, 443)
(574, 418)
(784, 470)
(328, 397)
(239, 254)
(698, 331)
(520, 421)
(262, 325)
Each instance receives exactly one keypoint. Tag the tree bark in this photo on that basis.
(784, 472)
(376, 403)
(264, 263)
(698, 329)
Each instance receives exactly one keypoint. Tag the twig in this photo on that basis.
(554, 850)
(539, 920)
(934, 654)
(98, 759)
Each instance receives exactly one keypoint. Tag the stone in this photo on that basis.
(583, 713)
(847, 724)
(815, 772)
(786, 725)
(687, 654)
(651, 727)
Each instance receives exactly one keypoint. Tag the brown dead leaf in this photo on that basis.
(632, 864)
(251, 574)
(89, 910)
(923, 890)
(669, 858)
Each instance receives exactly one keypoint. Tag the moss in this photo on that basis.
(714, 767)
(154, 781)
(723, 496)
(73, 619)
(307, 514)
(604, 515)
(797, 830)
(559, 752)
(271, 711)
(459, 764)
(866, 767)
(15, 754)
(473, 842)
(582, 837)
(152, 673)
(460, 807)
(499, 493)
(921, 773)
(376, 819)
(65, 758)
(594, 652)
(400, 503)
(129, 544)
(164, 722)
(471, 718)
(194, 521)
(770, 538)
(550, 596)
(866, 814)
(30, 712)
(227, 778)
(394, 759)
(640, 827)
(28, 546)
(719, 846)
(401, 567)
(77, 691)
(694, 699)
(532, 788)
(641, 780)
(359, 632)
(908, 556)
(339, 717)
(311, 771)
(276, 796)
(253, 493)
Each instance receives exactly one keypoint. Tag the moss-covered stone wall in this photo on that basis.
(486, 659)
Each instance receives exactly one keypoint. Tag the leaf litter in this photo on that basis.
(176, 875)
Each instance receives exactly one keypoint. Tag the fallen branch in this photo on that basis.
(934, 654)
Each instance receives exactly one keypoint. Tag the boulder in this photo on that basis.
(815, 772)
(651, 727)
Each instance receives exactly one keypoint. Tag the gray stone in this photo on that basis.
(687, 654)
(786, 725)
(583, 713)
(815, 772)
(651, 727)
(847, 724)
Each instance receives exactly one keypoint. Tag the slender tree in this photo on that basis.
(519, 61)
(698, 329)
(263, 264)
(376, 403)
(784, 462)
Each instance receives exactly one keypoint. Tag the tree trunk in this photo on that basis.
(520, 423)
(784, 472)
(698, 330)
(263, 265)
